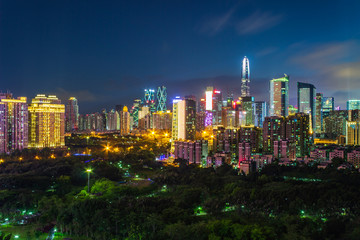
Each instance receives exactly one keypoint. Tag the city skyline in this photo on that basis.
(107, 61)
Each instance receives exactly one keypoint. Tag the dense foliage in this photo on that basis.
(185, 202)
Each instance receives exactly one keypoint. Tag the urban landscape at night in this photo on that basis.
(179, 120)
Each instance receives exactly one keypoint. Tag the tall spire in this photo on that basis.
(245, 79)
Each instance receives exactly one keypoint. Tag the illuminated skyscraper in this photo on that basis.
(328, 105)
(149, 99)
(46, 122)
(72, 115)
(306, 101)
(279, 96)
(184, 119)
(161, 99)
(353, 104)
(124, 121)
(260, 112)
(13, 123)
(245, 79)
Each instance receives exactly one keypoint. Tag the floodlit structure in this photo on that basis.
(306, 101)
(245, 79)
(124, 121)
(13, 123)
(279, 96)
(46, 122)
(72, 115)
(161, 99)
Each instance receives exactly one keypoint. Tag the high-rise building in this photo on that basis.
(279, 96)
(46, 122)
(353, 104)
(217, 107)
(306, 101)
(298, 131)
(113, 120)
(161, 99)
(319, 115)
(352, 133)
(149, 99)
(184, 119)
(327, 106)
(273, 130)
(260, 112)
(124, 121)
(162, 120)
(247, 105)
(13, 123)
(245, 78)
(72, 115)
(135, 112)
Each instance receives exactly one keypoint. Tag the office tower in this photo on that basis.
(245, 79)
(162, 120)
(184, 119)
(135, 112)
(144, 118)
(273, 130)
(200, 115)
(335, 124)
(251, 135)
(217, 107)
(13, 123)
(229, 101)
(125, 121)
(298, 132)
(319, 115)
(352, 133)
(247, 104)
(327, 106)
(209, 106)
(353, 104)
(149, 99)
(306, 101)
(260, 112)
(72, 115)
(279, 96)
(46, 122)
(113, 120)
(228, 117)
(161, 99)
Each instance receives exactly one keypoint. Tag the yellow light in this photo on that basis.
(20, 158)
(212, 136)
(52, 156)
(88, 170)
(166, 134)
(37, 157)
(1, 160)
(152, 133)
(204, 132)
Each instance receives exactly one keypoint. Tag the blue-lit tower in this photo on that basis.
(149, 99)
(161, 99)
(245, 78)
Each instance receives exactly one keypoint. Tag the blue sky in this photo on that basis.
(106, 52)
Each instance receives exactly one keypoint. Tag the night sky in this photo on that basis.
(106, 52)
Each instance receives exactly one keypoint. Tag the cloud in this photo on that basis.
(266, 51)
(216, 24)
(258, 22)
(81, 95)
(335, 67)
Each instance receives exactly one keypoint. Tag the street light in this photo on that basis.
(88, 172)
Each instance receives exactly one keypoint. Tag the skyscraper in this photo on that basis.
(319, 115)
(353, 104)
(124, 121)
(149, 99)
(279, 96)
(13, 123)
(184, 119)
(328, 105)
(245, 78)
(46, 122)
(161, 99)
(306, 101)
(72, 115)
(260, 112)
